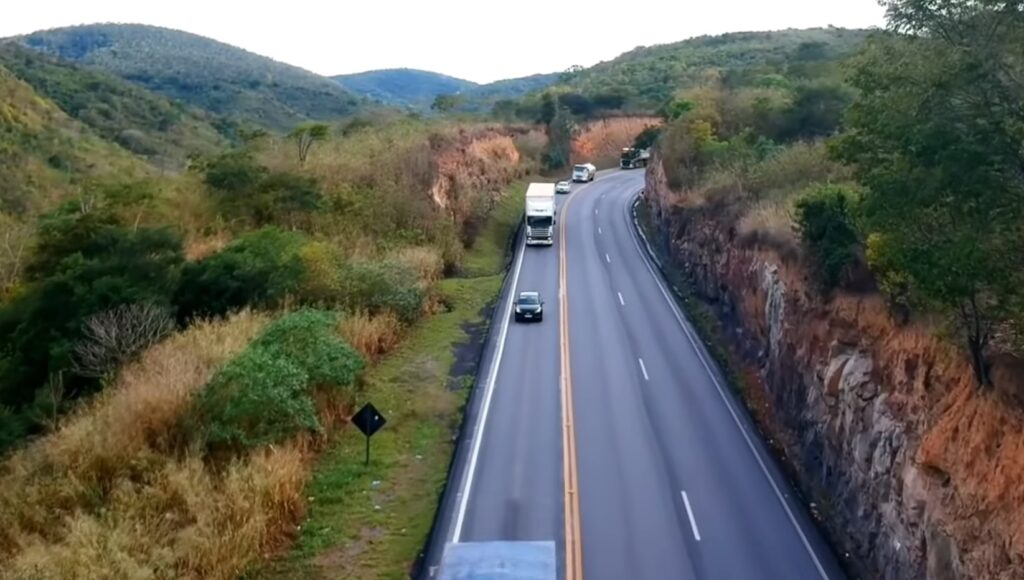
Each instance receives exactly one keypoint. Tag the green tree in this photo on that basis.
(86, 263)
(826, 220)
(235, 173)
(259, 269)
(561, 131)
(935, 136)
(548, 108)
(306, 135)
(446, 103)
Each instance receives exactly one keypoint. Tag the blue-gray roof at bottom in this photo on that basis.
(498, 561)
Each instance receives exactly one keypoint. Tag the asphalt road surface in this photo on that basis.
(670, 478)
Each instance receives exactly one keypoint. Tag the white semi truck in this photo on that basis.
(540, 214)
(583, 172)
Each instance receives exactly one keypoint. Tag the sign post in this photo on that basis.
(369, 421)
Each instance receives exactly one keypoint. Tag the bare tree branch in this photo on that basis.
(114, 336)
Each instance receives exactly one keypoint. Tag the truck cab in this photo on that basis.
(498, 560)
(540, 214)
(583, 172)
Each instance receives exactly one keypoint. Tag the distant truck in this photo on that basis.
(540, 214)
(583, 172)
(633, 157)
(498, 560)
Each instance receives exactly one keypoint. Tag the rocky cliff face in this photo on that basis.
(471, 162)
(916, 472)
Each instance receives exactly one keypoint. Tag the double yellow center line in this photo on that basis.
(573, 547)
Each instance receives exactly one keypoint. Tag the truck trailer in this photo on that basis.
(540, 214)
(633, 157)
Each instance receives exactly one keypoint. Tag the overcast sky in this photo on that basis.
(476, 40)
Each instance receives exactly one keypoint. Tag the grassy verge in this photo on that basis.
(372, 521)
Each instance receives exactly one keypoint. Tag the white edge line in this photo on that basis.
(689, 513)
(467, 485)
(621, 301)
(643, 369)
(721, 392)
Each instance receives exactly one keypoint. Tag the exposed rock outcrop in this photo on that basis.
(470, 162)
(601, 141)
(917, 473)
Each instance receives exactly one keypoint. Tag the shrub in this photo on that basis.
(321, 282)
(791, 169)
(258, 398)
(380, 287)
(826, 222)
(234, 174)
(307, 339)
(112, 337)
(259, 269)
(83, 266)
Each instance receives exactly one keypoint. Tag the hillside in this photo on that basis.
(404, 86)
(207, 74)
(483, 97)
(648, 76)
(163, 131)
(44, 153)
(416, 89)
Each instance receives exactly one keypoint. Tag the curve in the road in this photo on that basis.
(611, 432)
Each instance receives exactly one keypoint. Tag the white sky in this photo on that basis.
(476, 40)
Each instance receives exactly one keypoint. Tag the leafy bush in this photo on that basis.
(235, 173)
(257, 398)
(826, 222)
(380, 287)
(245, 189)
(258, 269)
(112, 266)
(84, 264)
(265, 395)
(307, 339)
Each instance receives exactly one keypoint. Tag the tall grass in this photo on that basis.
(107, 495)
(372, 336)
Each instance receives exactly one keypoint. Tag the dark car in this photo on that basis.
(529, 307)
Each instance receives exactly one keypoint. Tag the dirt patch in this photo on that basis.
(468, 353)
(340, 558)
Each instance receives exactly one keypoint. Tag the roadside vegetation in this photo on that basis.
(898, 170)
(178, 349)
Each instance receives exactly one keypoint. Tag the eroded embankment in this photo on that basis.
(601, 141)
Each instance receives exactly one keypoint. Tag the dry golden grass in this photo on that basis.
(769, 220)
(110, 495)
(425, 261)
(372, 336)
(199, 247)
(181, 522)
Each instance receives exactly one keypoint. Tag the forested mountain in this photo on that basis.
(163, 131)
(417, 89)
(43, 154)
(647, 77)
(404, 87)
(217, 77)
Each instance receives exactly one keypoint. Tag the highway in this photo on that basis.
(654, 470)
